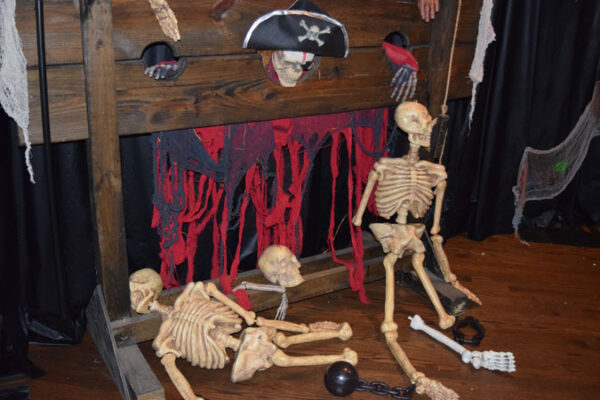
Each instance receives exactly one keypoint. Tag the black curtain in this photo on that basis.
(539, 76)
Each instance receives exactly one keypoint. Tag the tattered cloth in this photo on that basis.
(211, 175)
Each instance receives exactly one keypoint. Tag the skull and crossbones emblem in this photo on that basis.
(312, 33)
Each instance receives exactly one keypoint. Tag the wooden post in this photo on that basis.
(103, 154)
(438, 67)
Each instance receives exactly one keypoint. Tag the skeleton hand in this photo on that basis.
(428, 8)
(492, 360)
(165, 70)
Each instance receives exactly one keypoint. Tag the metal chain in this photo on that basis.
(383, 389)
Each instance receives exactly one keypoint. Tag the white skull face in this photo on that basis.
(289, 65)
(145, 286)
(414, 119)
(280, 266)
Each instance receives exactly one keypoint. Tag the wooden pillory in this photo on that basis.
(97, 91)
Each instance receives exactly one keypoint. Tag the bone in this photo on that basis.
(166, 18)
(249, 316)
(492, 360)
(182, 384)
(283, 360)
(445, 320)
(344, 332)
(435, 390)
(440, 256)
(282, 325)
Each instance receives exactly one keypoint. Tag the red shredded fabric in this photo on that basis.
(199, 199)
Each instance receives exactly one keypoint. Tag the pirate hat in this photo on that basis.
(302, 27)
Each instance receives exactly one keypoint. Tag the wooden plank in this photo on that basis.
(66, 97)
(321, 276)
(220, 90)
(98, 325)
(438, 68)
(224, 90)
(105, 163)
(141, 381)
(135, 26)
(62, 31)
(469, 21)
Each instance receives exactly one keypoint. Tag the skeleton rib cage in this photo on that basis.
(403, 184)
(198, 329)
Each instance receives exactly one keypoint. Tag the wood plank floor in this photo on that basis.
(541, 302)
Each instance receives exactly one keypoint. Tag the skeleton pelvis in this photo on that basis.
(397, 239)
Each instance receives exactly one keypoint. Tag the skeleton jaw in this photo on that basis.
(421, 139)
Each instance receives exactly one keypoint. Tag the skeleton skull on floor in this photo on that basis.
(409, 185)
(200, 326)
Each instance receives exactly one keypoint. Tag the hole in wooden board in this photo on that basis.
(160, 62)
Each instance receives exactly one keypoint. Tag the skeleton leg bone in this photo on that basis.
(344, 332)
(182, 384)
(283, 360)
(440, 255)
(424, 385)
(446, 320)
(282, 325)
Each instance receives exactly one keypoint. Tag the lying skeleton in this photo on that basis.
(200, 326)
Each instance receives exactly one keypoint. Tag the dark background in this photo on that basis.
(540, 73)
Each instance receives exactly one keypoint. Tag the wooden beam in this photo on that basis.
(103, 155)
(438, 67)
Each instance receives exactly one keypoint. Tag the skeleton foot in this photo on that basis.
(435, 390)
(440, 256)
(343, 332)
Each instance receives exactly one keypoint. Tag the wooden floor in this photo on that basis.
(540, 302)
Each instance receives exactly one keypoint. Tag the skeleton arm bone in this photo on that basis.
(166, 18)
(374, 176)
(249, 316)
(437, 212)
(182, 384)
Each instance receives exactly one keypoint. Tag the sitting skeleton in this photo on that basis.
(404, 185)
(200, 326)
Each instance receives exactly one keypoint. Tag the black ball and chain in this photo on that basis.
(341, 379)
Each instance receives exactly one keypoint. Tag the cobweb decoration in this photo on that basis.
(544, 174)
(14, 96)
(209, 177)
(485, 36)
